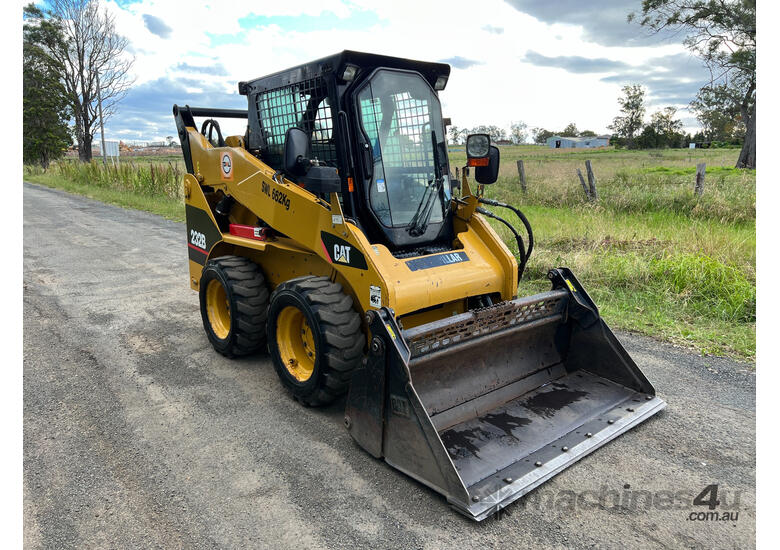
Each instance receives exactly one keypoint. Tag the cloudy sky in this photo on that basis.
(544, 62)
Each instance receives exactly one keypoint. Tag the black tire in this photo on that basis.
(246, 295)
(336, 330)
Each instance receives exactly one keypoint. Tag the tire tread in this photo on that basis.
(248, 318)
(342, 339)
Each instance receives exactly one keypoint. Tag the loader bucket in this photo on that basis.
(485, 406)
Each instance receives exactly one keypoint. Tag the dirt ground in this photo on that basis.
(138, 435)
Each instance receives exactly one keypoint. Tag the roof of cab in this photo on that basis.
(333, 65)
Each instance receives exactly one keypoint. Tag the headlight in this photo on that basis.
(477, 145)
(349, 72)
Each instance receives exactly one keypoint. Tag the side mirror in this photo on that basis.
(315, 179)
(296, 152)
(322, 179)
(489, 174)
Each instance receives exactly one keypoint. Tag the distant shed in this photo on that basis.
(560, 142)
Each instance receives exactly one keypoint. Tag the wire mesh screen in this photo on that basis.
(408, 143)
(400, 113)
(306, 106)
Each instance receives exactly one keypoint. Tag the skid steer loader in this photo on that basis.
(333, 233)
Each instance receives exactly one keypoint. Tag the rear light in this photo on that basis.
(250, 232)
(350, 184)
(479, 161)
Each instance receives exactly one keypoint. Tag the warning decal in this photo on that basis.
(375, 299)
(226, 166)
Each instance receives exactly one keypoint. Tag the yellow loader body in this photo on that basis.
(303, 219)
(332, 235)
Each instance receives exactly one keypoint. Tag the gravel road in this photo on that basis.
(138, 435)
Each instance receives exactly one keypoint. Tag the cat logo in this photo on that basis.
(338, 251)
(341, 253)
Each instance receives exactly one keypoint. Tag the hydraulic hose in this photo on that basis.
(212, 124)
(520, 215)
(518, 239)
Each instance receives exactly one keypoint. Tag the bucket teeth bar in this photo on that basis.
(485, 406)
(459, 329)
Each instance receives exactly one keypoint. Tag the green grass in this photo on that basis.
(172, 209)
(687, 281)
(656, 258)
(152, 159)
(690, 170)
(630, 181)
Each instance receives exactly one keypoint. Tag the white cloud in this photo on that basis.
(501, 88)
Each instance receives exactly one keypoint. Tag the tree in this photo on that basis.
(663, 130)
(570, 131)
(632, 107)
(496, 133)
(723, 34)
(648, 138)
(667, 127)
(518, 132)
(540, 135)
(44, 104)
(717, 109)
(93, 64)
(455, 134)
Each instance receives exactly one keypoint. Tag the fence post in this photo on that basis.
(521, 173)
(701, 170)
(584, 185)
(594, 194)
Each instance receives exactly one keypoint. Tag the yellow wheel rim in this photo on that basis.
(295, 341)
(218, 309)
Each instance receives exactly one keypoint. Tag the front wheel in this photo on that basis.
(234, 305)
(314, 338)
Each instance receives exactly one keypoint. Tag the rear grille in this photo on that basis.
(479, 322)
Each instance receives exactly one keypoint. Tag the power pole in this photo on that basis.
(100, 113)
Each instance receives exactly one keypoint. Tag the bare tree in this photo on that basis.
(95, 64)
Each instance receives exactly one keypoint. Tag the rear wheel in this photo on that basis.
(234, 305)
(314, 338)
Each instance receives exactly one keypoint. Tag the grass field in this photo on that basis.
(656, 258)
